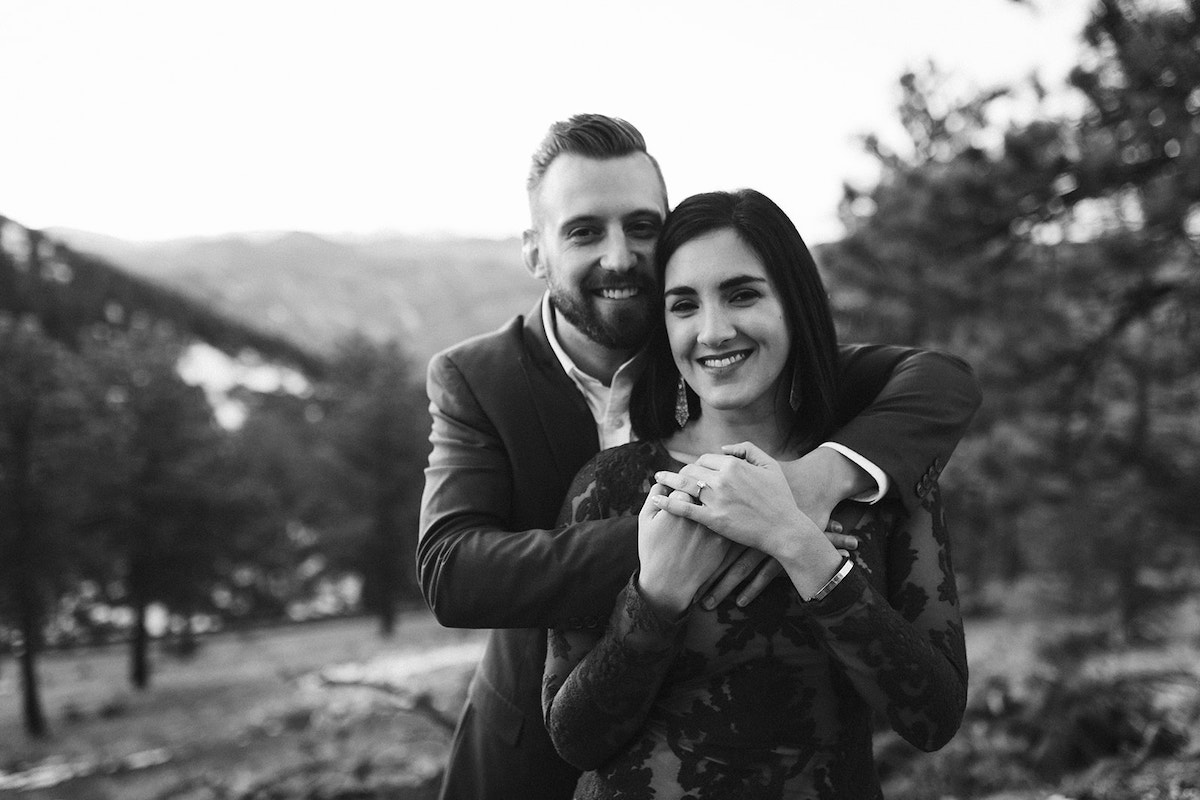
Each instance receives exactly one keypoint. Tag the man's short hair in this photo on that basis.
(591, 136)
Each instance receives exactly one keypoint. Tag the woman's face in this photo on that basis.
(725, 323)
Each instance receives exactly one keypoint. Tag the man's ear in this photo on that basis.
(531, 253)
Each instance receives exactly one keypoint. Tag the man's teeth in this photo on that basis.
(619, 294)
(723, 361)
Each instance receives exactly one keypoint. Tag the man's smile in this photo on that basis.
(618, 293)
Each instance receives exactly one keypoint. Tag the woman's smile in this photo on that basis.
(721, 362)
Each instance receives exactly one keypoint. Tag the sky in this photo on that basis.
(151, 120)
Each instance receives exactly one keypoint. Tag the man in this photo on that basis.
(517, 412)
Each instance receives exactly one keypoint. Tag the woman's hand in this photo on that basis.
(709, 467)
(678, 555)
(751, 570)
(745, 499)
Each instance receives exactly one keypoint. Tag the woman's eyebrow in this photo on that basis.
(741, 280)
(725, 285)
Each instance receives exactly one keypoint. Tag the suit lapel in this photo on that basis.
(571, 437)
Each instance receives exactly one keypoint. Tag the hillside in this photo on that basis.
(427, 293)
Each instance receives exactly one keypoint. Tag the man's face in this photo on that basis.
(595, 227)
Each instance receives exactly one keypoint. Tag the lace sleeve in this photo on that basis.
(904, 652)
(608, 689)
(598, 687)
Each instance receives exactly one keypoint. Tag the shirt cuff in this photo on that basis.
(879, 476)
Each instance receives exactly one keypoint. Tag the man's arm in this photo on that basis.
(477, 573)
(905, 410)
(901, 408)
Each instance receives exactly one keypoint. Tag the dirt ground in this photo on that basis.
(249, 712)
(298, 713)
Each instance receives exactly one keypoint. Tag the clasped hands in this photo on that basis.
(733, 537)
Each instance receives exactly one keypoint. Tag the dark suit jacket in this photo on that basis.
(510, 430)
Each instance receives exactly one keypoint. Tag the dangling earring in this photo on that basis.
(794, 394)
(681, 404)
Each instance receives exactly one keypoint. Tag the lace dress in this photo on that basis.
(775, 700)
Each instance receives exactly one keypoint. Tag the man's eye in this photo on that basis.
(646, 229)
(581, 233)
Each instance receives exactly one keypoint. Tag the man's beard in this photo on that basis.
(626, 330)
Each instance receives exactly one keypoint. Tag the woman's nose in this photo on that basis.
(715, 327)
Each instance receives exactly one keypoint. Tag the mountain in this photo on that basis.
(317, 290)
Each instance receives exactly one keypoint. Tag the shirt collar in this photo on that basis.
(550, 324)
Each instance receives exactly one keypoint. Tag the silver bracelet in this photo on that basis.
(842, 572)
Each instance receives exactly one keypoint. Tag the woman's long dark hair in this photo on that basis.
(764, 227)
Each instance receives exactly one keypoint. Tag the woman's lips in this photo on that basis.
(723, 360)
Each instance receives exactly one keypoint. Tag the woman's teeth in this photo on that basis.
(722, 361)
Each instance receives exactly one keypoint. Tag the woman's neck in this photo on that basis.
(715, 428)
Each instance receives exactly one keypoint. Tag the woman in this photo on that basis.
(775, 699)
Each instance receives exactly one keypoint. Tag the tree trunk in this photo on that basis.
(1011, 557)
(385, 534)
(35, 718)
(1127, 586)
(28, 601)
(385, 570)
(187, 636)
(139, 662)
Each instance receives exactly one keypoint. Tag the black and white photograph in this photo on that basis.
(664, 400)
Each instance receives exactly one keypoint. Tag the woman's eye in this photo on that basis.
(744, 296)
(682, 307)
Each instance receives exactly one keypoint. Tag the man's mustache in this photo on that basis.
(610, 281)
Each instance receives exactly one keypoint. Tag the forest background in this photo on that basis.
(1059, 253)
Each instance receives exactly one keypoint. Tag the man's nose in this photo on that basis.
(618, 255)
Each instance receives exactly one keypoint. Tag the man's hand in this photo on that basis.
(743, 562)
(819, 480)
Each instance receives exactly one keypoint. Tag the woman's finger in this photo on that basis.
(649, 507)
(682, 496)
(688, 509)
(750, 452)
(686, 480)
(714, 462)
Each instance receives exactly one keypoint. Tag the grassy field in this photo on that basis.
(288, 713)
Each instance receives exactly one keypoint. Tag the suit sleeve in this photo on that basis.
(905, 409)
(474, 571)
